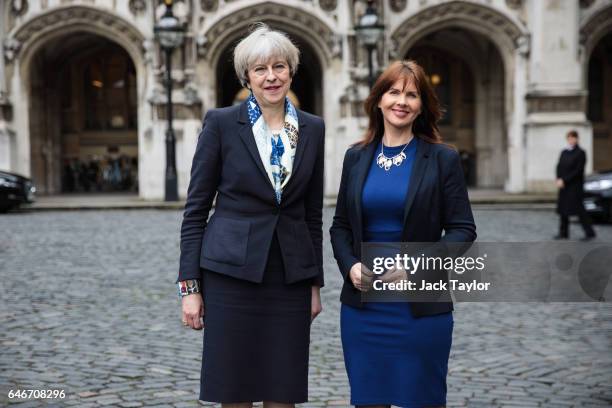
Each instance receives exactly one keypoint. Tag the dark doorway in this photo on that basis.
(599, 110)
(84, 116)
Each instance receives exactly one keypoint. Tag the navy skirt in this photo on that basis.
(256, 337)
(393, 358)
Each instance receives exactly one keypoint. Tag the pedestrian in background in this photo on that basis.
(570, 181)
(255, 268)
(399, 184)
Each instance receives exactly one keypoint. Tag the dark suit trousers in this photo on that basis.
(585, 221)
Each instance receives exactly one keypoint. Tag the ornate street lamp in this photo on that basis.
(170, 33)
(369, 33)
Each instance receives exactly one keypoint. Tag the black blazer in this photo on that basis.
(437, 200)
(236, 240)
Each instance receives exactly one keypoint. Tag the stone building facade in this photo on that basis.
(83, 80)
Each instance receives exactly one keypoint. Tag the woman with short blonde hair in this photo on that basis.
(253, 271)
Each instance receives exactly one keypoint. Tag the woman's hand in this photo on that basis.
(193, 311)
(361, 277)
(560, 183)
(395, 274)
(315, 305)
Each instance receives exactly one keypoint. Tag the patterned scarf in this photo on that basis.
(277, 151)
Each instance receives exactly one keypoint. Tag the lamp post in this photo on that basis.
(369, 32)
(170, 33)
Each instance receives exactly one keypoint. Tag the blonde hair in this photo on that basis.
(261, 45)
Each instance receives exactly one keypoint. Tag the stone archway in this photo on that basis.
(30, 36)
(220, 33)
(491, 34)
(593, 29)
(27, 41)
(504, 31)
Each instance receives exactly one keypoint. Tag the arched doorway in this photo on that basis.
(466, 71)
(306, 86)
(83, 116)
(599, 107)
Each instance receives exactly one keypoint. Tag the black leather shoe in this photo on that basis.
(557, 237)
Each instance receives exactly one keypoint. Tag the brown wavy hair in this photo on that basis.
(425, 125)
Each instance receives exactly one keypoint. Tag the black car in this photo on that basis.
(15, 190)
(598, 195)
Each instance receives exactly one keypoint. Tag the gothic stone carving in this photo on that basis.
(514, 4)
(556, 103)
(392, 49)
(523, 44)
(599, 22)
(19, 7)
(211, 42)
(586, 3)
(335, 43)
(398, 5)
(191, 94)
(209, 5)
(328, 5)
(468, 11)
(149, 51)
(59, 19)
(137, 6)
(11, 48)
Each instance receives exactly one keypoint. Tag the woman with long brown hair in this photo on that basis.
(399, 184)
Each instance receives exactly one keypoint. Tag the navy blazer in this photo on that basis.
(436, 201)
(237, 238)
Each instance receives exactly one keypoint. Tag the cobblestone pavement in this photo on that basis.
(88, 306)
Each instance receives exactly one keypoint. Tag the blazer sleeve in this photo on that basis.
(558, 170)
(457, 218)
(205, 176)
(314, 206)
(341, 232)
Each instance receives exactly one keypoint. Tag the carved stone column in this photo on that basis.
(556, 100)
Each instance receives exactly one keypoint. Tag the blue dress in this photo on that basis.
(391, 357)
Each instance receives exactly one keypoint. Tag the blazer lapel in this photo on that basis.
(361, 171)
(303, 137)
(246, 134)
(418, 171)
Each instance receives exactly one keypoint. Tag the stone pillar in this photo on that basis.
(339, 122)
(5, 140)
(516, 118)
(21, 153)
(556, 100)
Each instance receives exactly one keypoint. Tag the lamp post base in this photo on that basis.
(171, 179)
(171, 188)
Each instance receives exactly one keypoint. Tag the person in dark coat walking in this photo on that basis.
(570, 180)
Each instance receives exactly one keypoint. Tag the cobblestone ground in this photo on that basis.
(88, 306)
